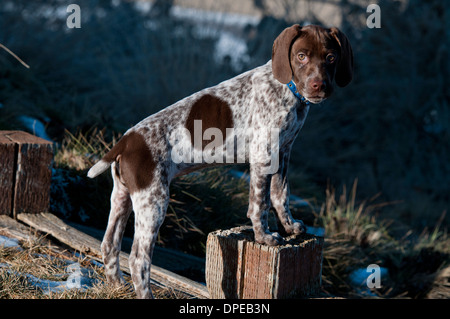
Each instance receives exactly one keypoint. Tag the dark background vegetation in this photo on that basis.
(389, 129)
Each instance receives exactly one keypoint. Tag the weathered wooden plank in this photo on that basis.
(12, 228)
(166, 258)
(7, 169)
(90, 246)
(238, 267)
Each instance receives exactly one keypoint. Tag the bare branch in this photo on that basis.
(15, 56)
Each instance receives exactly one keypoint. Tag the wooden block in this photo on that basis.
(29, 187)
(7, 169)
(239, 268)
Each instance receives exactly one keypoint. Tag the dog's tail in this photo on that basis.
(108, 159)
(98, 168)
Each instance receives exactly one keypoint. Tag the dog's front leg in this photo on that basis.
(259, 205)
(279, 196)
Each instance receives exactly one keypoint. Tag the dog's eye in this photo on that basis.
(331, 58)
(302, 57)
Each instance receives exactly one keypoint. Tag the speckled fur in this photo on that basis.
(257, 101)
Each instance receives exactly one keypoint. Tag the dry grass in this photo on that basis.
(344, 218)
(45, 261)
(355, 238)
(81, 150)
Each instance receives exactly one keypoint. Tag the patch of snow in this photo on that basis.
(96, 263)
(6, 242)
(358, 278)
(316, 231)
(115, 3)
(143, 7)
(232, 47)
(45, 285)
(35, 126)
(224, 26)
(214, 17)
(79, 278)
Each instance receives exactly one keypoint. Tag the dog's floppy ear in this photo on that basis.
(344, 68)
(281, 64)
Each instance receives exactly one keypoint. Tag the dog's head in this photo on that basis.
(312, 57)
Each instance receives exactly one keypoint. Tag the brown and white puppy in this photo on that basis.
(256, 107)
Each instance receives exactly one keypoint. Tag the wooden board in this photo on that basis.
(12, 228)
(90, 246)
(170, 259)
(238, 267)
(31, 158)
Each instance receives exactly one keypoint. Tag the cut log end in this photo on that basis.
(238, 267)
(26, 165)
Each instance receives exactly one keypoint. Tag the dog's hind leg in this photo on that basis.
(150, 207)
(118, 216)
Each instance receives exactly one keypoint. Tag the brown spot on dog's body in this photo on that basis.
(136, 163)
(213, 112)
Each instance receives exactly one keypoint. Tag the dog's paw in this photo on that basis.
(296, 228)
(115, 279)
(270, 239)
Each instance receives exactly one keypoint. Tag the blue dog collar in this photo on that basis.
(293, 88)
